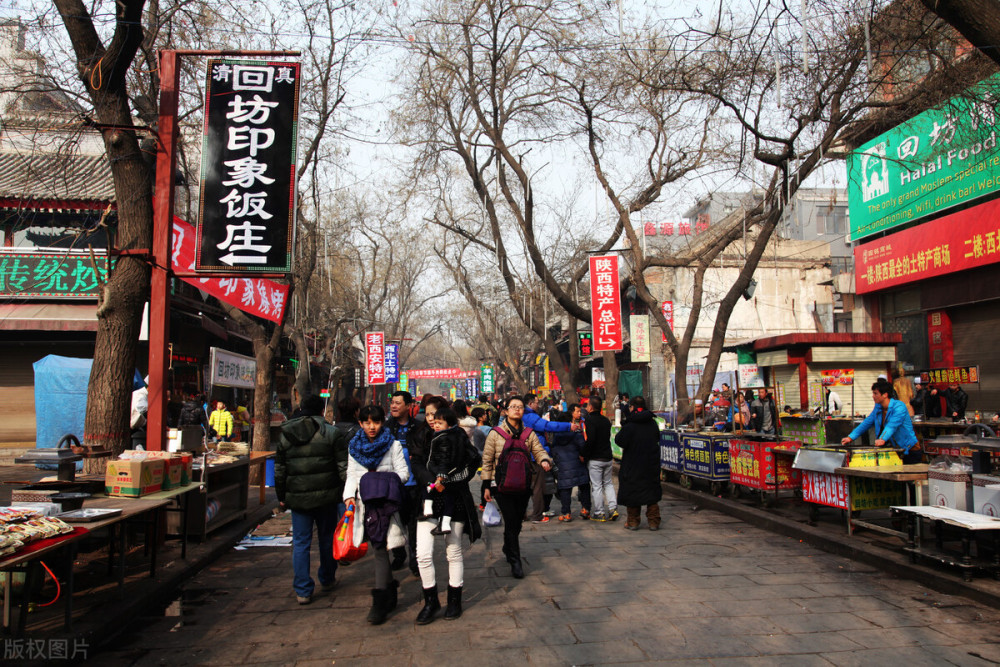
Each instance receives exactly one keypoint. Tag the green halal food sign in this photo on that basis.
(939, 159)
(40, 275)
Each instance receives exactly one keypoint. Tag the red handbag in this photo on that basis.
(343, 538)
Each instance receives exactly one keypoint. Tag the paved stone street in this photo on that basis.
(706, 588)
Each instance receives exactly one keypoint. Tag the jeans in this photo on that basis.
(538, 493)
(452, 550)
(325, 519)
(602, 490)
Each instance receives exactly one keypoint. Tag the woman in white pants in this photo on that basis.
(438, 487)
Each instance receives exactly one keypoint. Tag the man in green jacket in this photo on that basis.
(310, 467)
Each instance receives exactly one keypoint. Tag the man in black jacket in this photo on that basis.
(597, 453)
(764, 413)
(310, 467)
(957, 400)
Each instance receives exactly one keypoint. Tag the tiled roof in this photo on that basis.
(48, 179)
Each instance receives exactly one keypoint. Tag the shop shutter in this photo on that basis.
(786, 378)
(17, 399)
(973, 331)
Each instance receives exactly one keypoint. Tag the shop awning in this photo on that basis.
(48, 316)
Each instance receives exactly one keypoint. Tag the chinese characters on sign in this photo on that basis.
(842, 377)
(586, 339)
(256, 296)
(424, 373)
(247, 204)
(487, 378)
(939, 159)
(375, 357)
(63, 275)
(605, 305)
(962, 375)
(638, 326)
(392, 362)
(232, 370)
(668, 315)
(956, 242)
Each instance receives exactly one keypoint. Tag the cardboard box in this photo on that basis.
(134, 478)
(177, 472)
(949, 490)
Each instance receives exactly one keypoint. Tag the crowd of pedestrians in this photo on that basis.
(406, 482)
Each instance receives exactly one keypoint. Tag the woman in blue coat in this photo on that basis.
(571, 470)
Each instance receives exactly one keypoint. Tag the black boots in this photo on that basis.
(383, 601)
(515, 569)
(431, 606)
(454, 609)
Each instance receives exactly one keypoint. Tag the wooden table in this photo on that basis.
(259, 459)
(915, 472)
(967, 524)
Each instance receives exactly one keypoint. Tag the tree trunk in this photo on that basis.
(303, 373)
(610, 385)
(109, 391)
(558, 365)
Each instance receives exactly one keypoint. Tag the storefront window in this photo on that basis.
(901, 314)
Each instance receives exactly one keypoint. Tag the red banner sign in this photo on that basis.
(605, 305)
(668, 315)
(956, 242)
(425, 373)
(263, 298)
(826, 489)
(375, 357)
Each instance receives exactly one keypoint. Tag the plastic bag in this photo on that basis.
(343, 538)
(491, 514)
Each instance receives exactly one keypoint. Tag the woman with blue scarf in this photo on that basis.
(374, 461)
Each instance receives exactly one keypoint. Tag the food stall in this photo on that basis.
(705, 457)
(671, 455)
(762, 463)
(853, 479)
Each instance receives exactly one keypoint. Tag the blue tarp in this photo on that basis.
(60, 399)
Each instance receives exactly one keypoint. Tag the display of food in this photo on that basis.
(20, 526)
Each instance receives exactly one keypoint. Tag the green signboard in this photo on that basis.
(486, 379)
(940, 159)
(47, 275)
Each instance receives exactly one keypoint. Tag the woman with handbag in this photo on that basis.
(372, 489)
(507, 475)
(443, 470)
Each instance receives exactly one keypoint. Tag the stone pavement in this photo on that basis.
(706, 589)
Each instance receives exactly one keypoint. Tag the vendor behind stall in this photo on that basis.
(892, 424)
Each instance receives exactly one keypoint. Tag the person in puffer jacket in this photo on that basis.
(447, 456)
(310, 466)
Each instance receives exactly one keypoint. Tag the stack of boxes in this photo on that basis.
(139, 473)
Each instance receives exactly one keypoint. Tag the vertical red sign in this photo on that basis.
(605, 304)
(941, 347)
(668, 315)
(375, 357)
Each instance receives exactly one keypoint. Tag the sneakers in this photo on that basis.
(614, 515)
(598, 516)
(544, 519)
(549, 513)
(303, 599)
(584, 514)
(566, 518)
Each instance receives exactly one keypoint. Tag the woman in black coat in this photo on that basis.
(639, 474)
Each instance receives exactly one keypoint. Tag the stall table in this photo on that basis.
(884, 478)
(968, 525)
(706, 457)
(671, 452)
(763, 464)
(258, 460)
